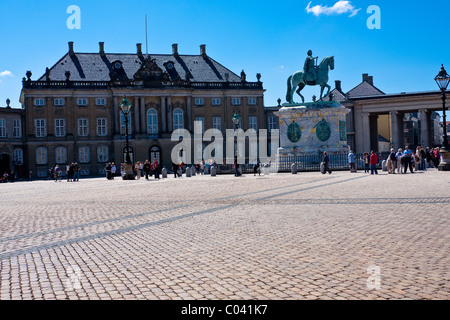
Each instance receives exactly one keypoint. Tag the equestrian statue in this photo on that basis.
(312, 75)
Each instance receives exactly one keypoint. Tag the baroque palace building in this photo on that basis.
(72, 113)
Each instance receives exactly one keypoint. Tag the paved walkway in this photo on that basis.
(305, 236)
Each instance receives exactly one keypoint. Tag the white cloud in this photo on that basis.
(6, 73)
(340, 7)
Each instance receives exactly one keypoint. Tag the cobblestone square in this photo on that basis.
(281, 236)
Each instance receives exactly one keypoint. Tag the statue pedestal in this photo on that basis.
(311, 128)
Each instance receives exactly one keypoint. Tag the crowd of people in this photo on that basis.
(399, 161)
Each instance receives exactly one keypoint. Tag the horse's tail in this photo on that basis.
(289, 88)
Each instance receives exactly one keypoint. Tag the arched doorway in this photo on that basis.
(155, 152)
(4, 164)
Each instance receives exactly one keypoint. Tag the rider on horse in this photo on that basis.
(310, 67)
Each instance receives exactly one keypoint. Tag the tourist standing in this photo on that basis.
(136, 168)
(366, 162)
(393, 158)
(236, 167)
(407, 155)
(352, 161)
(429, 157)
(147, 169)
(108, 171)
(326, 163)
(175, 170)
(156, 168)
(76, 172)
(373, 162)
(400, 160)
(113, 170)
(436, 157)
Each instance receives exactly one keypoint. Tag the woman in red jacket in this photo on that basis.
(373, 162)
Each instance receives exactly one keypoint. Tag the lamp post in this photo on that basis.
(442, 80)
(125, 106)
(236, 120)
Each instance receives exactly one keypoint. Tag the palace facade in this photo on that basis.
(72, 112)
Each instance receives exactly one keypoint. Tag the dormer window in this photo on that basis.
(117, 65)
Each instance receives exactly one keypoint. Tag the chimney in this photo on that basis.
(102, 48)
(71, 48)
(139, 49)
(337, 85)
(364, 76)
(175, 49)
(203, 49)
(370, 80)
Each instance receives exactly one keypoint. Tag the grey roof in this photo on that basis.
(338, 95)
(97, 67)
(364, 89)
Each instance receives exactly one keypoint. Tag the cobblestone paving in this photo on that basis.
(305, 236)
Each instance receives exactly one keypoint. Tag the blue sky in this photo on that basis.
(267, 37)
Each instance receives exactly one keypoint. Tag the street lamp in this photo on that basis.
(236, 120)
(442, 80)
(125, 106)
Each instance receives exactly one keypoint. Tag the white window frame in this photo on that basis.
(272, 123)
(202, 120)
(122, 124)
(178, 119)
(18, 156)
(41, 155)
(40, 128)
(2, 128)
(39, 102)
(236, 101)
(83, 154)
(60, 127)
(252, 101)
(17, 128)
(100, 101)
(152, 122)
(102, 154)
(216, 101)
(199, 101)
(82, 102)
(253, 122)
(83, 127)
(217, 123)
(61, 155)
(57, 102)
(102, 127)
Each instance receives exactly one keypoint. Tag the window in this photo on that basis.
(252, 101)
(100, 101)
(253, 122)
(82, 102)
(102, 128)
(202, 120)
(102, 154)
(217, 123)
(122, 124)
(60, 127)
(178, 119)
(58, 102)
(39, 102)
(41, 128)
(83, 154)
(18, 156)
(17, 129)
(2, 128)
(155, 153)
(152, 122)
(199, 101)
(61, 155)
(236, 101)
(83, 129)
(41, 155)
(215, 101)
(273, 121)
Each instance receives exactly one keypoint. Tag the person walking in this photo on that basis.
(175, 170)
(136, 168)
(236, 167)
(429, 157)
(373, 162)
(76, 172)
(326, 163)
(352, 161)
(147, 169)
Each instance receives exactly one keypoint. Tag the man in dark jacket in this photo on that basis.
(326, 162)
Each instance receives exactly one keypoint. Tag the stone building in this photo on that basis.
(72, 112)
(11, 140)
